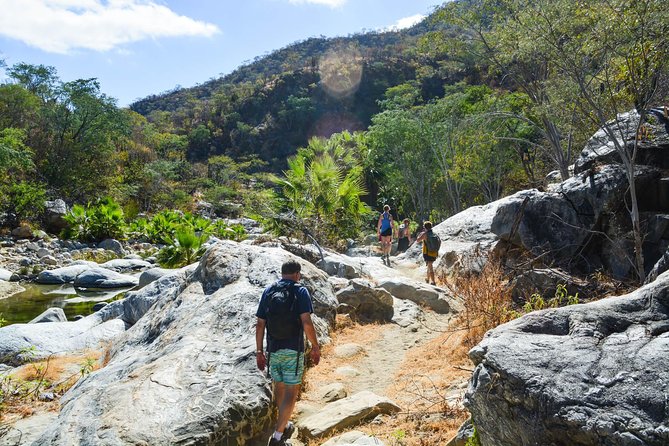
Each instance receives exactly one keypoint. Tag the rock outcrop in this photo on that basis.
(185, 372)
(581, 375)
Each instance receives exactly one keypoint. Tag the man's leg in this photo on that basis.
(286, 404)
(430, 272)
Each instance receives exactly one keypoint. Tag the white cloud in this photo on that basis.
(405, 22)
(330, 3)
(59, 26)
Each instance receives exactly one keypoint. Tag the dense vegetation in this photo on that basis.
(481, 99)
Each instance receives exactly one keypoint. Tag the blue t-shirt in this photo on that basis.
(303, 306)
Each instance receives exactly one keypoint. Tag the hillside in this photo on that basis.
(273, 105)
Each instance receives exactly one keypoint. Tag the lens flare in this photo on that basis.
(341, 71)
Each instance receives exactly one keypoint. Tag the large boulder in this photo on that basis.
(581, 375)
(365, 302)
(422, 294)
(65, 274)
(104, 278)
(601, 149)
(54, 213)
(583, 222)
(185, 373)
(125, 265)
(113, 245)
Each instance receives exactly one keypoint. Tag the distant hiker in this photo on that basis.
(404, 236)
(385, 229)
(285, 310)
(431, 245)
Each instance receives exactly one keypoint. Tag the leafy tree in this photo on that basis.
(614, 55)
(14, 155)
(322, 187)
(401, 142)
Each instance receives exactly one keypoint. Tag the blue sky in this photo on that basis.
(141, 47)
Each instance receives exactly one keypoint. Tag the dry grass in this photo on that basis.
(486, 299)
(20, 392)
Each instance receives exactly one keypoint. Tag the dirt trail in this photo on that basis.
(381, 366)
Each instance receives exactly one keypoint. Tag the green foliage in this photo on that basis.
(185, 248)
(322, 190)
(95, 222)
(14, 155)
(561, 297)
(224, 231)
(474, 439)
(24, 199)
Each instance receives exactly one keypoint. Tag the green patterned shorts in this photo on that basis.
(282, 366)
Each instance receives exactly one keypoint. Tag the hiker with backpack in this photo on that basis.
(385, 228)
(431, 245)
(284, 313)
(404, 236)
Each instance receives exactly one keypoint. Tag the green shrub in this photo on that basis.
(96, 222)
(24, 199)
(561, 298)
(186, 248)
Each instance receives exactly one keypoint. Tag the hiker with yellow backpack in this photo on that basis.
(431, 245)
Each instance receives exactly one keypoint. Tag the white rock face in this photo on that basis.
(185, 372)
(346, 412)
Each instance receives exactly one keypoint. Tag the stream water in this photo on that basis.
(28, 304)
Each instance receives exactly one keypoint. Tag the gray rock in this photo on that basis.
(42, 340)
(54, 211)
(601, 149)
(422, 294)
(133, 257)
(49, 260)
(332, 392)
(113, 245)
(346, 412)
(353, 438)
(406, 313)
(65, 274)
(50, 315)
(185, 373)
(5, 274)
(43, 252)
(340, 266)
(580, 208)
(125, 265)
(26, 430)
(104, 278)
(152, 275)
(99, 306)
(364, 302)
(585, 374)
(25, 261)
(23, 231)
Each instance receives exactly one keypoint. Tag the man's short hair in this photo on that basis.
(427, 225)
(291, 267)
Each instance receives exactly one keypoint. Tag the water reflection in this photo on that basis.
(28, 304)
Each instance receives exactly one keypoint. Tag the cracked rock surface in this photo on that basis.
(185, 372)
(579, 375)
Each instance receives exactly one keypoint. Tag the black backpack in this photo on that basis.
(283, 322)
